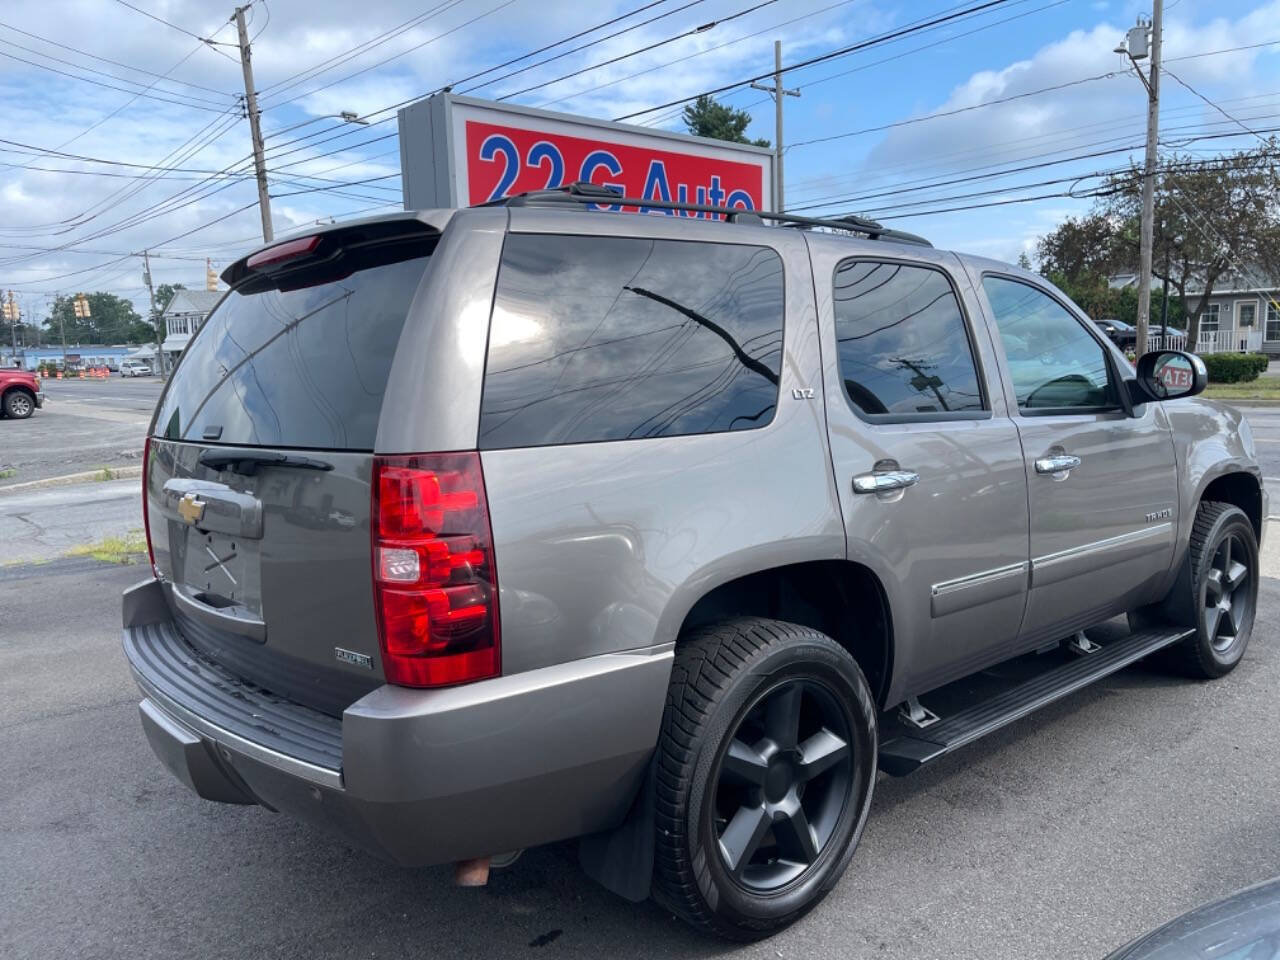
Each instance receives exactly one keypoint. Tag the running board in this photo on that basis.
(905, 753)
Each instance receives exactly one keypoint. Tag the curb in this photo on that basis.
(66, 480)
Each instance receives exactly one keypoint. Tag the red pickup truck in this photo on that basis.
(20, 393)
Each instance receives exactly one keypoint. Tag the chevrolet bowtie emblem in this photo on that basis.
(191, 509)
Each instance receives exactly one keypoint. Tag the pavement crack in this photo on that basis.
(31, 523)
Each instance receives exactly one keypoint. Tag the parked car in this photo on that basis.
(135, 368)
(20, 393)
(530, 522)
(1243, 926)
(1123, 335)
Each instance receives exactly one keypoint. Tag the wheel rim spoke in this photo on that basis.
(1235, 575)
(820, 752)
(1212, 616)
(741, 838)
(1226, 620)
(745, 764)
(795, 837)
(1213, 585)
(782, 716)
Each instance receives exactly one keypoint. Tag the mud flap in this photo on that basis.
(621, 859)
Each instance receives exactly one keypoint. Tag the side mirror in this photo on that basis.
(1168, 375)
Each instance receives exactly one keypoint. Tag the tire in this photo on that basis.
(18, 404)
(748, 842)
(1224, 563)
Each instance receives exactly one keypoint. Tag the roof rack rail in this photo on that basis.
(586, 193)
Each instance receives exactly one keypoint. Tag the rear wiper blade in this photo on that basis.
(246, 462)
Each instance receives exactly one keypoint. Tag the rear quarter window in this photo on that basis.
(304, 367)
(610, 338)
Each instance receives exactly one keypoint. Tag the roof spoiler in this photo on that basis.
(310, 249)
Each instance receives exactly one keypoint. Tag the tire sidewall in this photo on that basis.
(1232, 521)
(816, 659)
(13, 398)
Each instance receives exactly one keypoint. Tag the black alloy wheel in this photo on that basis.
(781, 784)
(763, 775)
(1228, 595)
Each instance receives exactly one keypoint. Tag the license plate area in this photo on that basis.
(221, 570)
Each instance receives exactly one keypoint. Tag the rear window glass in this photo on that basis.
(614, 338)
(295, 368)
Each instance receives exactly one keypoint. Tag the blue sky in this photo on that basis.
(70, 221)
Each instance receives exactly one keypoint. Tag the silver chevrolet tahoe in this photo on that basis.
(478, 529)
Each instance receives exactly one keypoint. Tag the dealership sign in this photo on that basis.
(458, 151)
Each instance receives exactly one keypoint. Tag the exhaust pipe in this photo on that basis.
(471, 873)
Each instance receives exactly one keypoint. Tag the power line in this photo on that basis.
(208, 41)
(466, 23)
(833, 200)
(572, 50)
(192, 104)
(116, 63)
(662, 118)
(694, 31)
(937, 160)
(302, 76)
(1215, 106)
(843, 51)
(958, 110)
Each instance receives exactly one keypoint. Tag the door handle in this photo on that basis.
(885, 481)
(1059, 463)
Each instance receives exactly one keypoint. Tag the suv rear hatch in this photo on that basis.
(258, 471)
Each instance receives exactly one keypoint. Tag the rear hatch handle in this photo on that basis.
(208, 505)
(220, 613)
(246, 462)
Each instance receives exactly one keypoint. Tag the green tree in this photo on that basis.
(164, 293)
(1214, 218)
(111, 319)
(707, 117)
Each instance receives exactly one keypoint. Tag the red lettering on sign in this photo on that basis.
(1175, 378)
(503, 161)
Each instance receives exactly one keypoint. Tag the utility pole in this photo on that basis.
(62, 332)
(251, 105)
(155, 320)
(778, 93)
(11, 314)
(1135, 48)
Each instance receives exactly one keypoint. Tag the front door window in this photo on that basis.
(1273, 321)
(1246, 314)
(1053, 361)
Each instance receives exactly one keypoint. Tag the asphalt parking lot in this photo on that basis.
(84, 425)
(1062, 836)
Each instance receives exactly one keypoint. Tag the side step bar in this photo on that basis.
(907, 752)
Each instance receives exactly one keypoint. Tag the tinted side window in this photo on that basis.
(1053, 360)
(607, 338)
(901, 340)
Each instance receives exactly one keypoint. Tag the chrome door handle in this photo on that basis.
(885, 481)
(1059, 463)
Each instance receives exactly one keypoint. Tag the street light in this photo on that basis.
(346, 116)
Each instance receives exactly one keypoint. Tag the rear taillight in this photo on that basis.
(146, 512)
(433, 572)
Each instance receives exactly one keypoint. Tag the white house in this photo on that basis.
(183, 316)
(1240, 310)
(1240, 315)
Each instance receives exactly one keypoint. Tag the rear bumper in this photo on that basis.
(417, 776)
